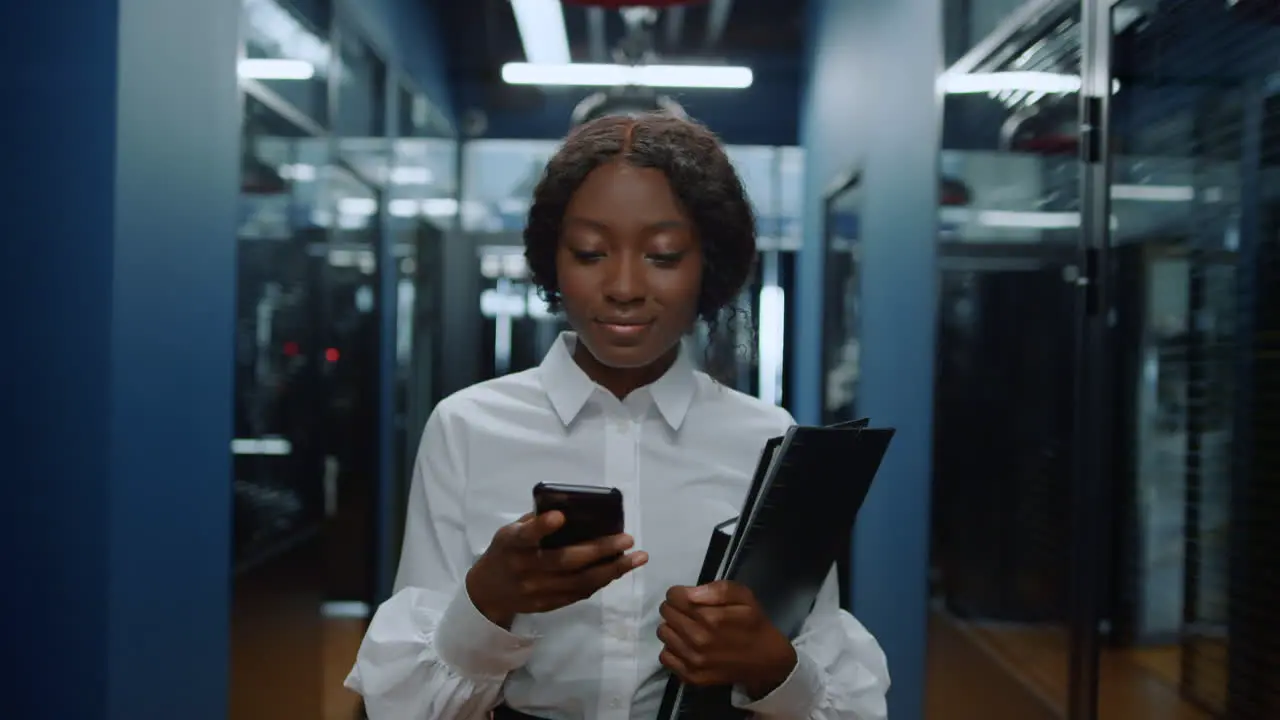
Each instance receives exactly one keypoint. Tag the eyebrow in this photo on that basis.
(599, 225)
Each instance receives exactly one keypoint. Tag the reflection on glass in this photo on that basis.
(279, 351)
(419, 351)
(841, 337)
(498, 181)
(518, 327)
(287, 50)
(422, 207)
(1010, 223)
(352, 372)
(1193, 123)
(361, 99)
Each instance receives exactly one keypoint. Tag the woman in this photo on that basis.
(639, 229)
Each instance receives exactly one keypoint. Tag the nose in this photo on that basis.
(625, 283)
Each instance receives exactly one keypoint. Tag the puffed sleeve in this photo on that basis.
(841, 673)
(428, 653)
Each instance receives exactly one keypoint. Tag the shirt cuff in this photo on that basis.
(794, 699)
(470, 643)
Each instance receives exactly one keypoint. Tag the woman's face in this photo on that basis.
(629, 266)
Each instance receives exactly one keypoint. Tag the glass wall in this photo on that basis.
(1010, 228)
(422, 209)
(1101, 518)
(348, 186)
(499, 177)
(1194, 125)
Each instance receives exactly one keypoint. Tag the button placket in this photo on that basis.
(629, 631)
(616, 602)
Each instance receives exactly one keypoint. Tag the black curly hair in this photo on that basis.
(701, 176)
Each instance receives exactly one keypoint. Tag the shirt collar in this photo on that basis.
(569, 388)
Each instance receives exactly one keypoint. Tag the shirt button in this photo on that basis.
(615, 703)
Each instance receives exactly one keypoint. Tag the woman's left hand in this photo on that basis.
(717, 634)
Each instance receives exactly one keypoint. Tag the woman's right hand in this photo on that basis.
(516, 576)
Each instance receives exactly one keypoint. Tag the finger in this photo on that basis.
(693, 633)
(574, 558)
(675, 644)
(681, 668)
(720, 592)
(592, 579)
(671, 661)
(583, 584)
(531, 530)
(678, 597)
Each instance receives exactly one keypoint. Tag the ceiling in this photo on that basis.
(766, 35)
(482, 34)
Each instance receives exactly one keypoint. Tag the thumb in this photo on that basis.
(536, 527)
(714, 593)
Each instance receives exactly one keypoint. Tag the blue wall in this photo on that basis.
(870, 100)
(121, 138)
(117, 279)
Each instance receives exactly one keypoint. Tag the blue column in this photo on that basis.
(120, 136)
(870, 101)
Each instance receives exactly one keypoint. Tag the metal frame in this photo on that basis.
(1245, 687)
(1031, 16)
(342, 28)
(850, 180)
(1092, 500)
(842, 184)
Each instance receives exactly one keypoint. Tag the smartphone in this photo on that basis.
(590, 512)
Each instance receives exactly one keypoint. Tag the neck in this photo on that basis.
(622, 381)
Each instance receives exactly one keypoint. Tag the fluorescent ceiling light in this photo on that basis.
(357, 206)
(597, 75)
(440, 207)
(1039, 82)
(270, 69)
(1011, 218)
(261, 446)
(411, 175)
(1154, 193)
(404, 207)
(541, 24)
(269, 26)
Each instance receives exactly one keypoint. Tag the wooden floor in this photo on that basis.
(1137, 684)
(341, 641)
(966, 681)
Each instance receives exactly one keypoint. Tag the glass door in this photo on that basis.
(352, 370)
(1008, 501)
(279, 446)
(1193, 125)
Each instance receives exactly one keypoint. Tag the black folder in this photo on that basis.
(795, 522)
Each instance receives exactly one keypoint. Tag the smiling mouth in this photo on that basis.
(624, 328)
(625, 323)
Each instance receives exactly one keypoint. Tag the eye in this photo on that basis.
(586, 256)
(665, 259)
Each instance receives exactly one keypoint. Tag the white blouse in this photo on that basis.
(682, 451)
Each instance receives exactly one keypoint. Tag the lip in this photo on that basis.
(624, 328)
